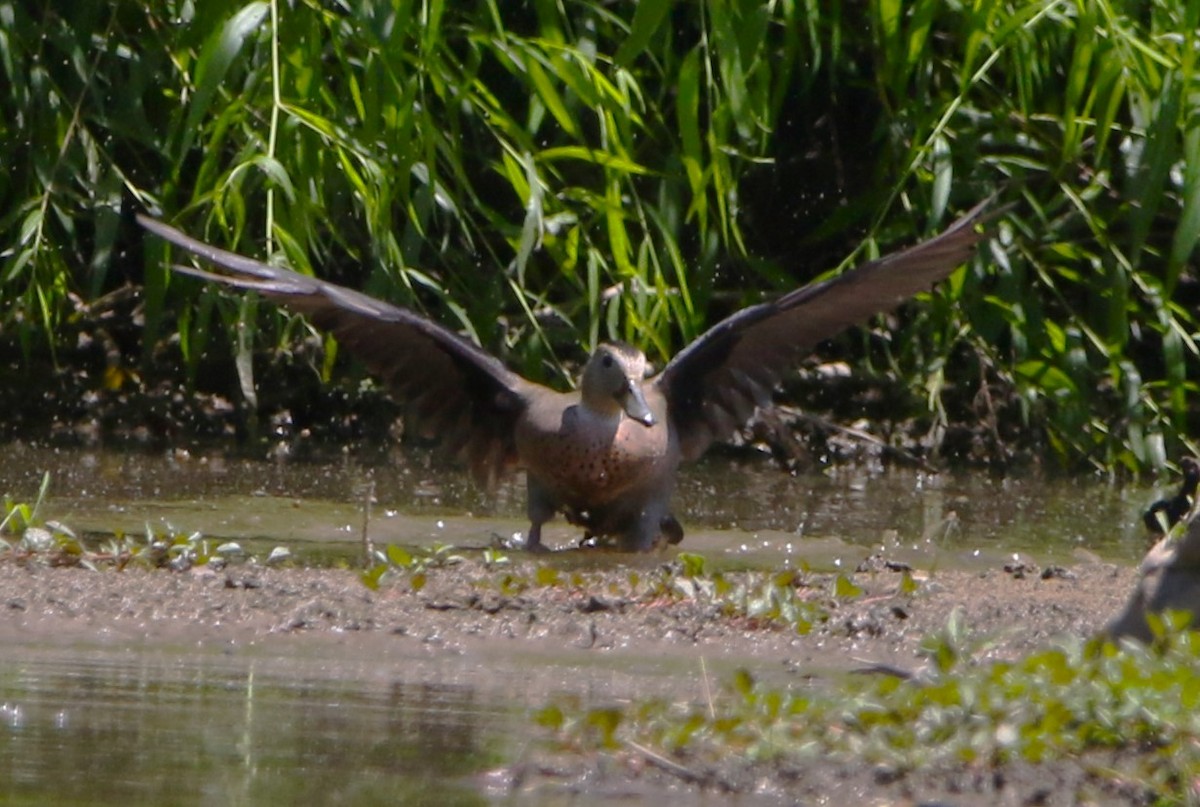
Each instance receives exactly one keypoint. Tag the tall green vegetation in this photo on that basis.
(548, 174)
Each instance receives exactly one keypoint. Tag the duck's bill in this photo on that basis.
(633, 401)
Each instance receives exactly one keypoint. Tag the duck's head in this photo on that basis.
(612, 382)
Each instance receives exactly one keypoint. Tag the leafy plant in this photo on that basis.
(396, 560)
(57, 544)
(1069, 701)
(546, 176)
(20, 516)
(787, 599)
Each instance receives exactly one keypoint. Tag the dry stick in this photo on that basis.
(881, 668)
(712, 710)
(679, 771)
(662, 763)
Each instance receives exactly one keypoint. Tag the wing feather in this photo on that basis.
(713, 385)
(453, 390)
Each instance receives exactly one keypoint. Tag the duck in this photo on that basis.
(606, 454)
(1166, 513)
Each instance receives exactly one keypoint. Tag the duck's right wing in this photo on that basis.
(452, 389)
(714, 384)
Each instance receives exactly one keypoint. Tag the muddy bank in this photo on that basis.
(1019, 609)
(606, 631)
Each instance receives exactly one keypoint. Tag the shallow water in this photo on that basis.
(745, 510)
(163, 725)
(336, 719)
(311, 719)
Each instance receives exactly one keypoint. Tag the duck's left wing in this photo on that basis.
(452, 389)
(714, 384)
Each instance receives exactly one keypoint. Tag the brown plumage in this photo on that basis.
(606, 455)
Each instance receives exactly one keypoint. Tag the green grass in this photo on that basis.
(548, 176)
(793, 599)
(27, 538)
(1132, 708)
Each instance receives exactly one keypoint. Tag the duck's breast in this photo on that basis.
(589, 459)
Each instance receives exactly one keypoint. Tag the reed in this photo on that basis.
(549, 175)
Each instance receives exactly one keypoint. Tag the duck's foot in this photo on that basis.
(533, 544)
(671, 529)
(517, 543)
(533, 541)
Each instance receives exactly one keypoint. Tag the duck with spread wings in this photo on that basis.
(605, 455)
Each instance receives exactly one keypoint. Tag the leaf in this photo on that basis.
(108, 217)
(687, 116)
(605, 159)
(276, 173)
(743, 683)
(371, 577)
(692, 564)
(943, 177)
(1187, 233)
(550, 96)
(548, 576)
(844, 588)
(1155, 162)
(398, 556)
(606, 721)
(30, 225)
(550, 717)
(647, 18)
(533, 225)
(215, 59)
(1047, 376)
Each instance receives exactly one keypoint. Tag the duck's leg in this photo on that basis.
(533, 541)
(540, 508)
(652, 528)
(671, 529)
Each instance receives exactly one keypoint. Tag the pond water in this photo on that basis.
(743, 509)
(330, 720)
(179, 725)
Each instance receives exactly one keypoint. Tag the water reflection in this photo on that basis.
(153, 727)
(727, 505)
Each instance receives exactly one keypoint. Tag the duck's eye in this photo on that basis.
(607, 361)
